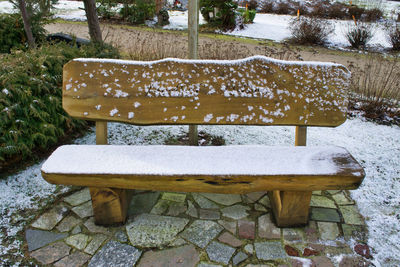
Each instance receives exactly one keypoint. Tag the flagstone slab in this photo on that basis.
(192, 211)
(235, 212)
(270, 250)
(291, 234)
(325, 215)
(223, 199)
(254, 196)
(259, 207)
(328, 230)
(51, 253)
(238, 258)
(207, 264)
(230, 239)
(203, 202)
(231, 226)
(178, 242)
(48, 220)
(265, 201)
(78, 197)
(78, 241)
(249, 248)
(342, 199)
(176, 208)
(77, 229)
(351, 215)
(67, 224)
(185, 256)
(201, 232)
(151, 230)
(38, 238)
(95, 244)
(267, 229)
(115, 254)
(76, 259)
(219, 252)
(121, 236)
(160, 207)
(321, 201)
(176, 197)
(84, 210)
(354, 231)
(143, 203)
(92, 227)
(209, 214)
(247, 229)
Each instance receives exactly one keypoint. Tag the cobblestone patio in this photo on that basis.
(196, 229)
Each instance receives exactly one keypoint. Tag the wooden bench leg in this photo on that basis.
(110, 205)
(290, 208)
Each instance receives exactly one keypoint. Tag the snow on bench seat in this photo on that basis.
(249, 168)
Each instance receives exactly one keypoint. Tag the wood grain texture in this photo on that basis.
(232, 184)
(101, 133)
(253, 91)
(110, 205)
(290, 208)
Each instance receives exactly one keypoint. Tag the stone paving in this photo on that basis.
(196, 229)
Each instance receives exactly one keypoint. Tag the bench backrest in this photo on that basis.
(252, 91)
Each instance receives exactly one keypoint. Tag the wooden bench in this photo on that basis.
(252, 91)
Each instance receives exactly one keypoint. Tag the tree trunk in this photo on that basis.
(93, 21)
(27, 23)
(159, 6)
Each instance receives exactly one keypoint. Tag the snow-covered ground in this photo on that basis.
(265, 26)
(376, 147)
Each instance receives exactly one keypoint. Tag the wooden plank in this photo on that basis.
(101, 133)
(253, 91)
(290, 208)
(110, 205)
(233, 184)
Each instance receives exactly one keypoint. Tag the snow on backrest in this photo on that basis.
(253, 91)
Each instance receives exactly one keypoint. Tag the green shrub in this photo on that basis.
(106, 8)
(139, 11)
(31, 114)
(12, 34)
(219, 13)
(248, 15)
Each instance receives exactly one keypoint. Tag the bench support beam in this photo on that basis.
(110, 205)
(290, 208)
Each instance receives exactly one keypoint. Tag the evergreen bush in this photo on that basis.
(31, 114)
(139, 11)
(12, 34)
(219, 13)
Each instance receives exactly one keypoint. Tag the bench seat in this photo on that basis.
(224, 169)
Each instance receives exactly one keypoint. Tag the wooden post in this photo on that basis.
(291, 208)
(101, 133)
(110, 205)
(193, 43)
(301, 136)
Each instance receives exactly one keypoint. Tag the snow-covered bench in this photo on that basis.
(252, 91)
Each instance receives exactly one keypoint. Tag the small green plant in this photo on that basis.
(311, 31)
(248, 15)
